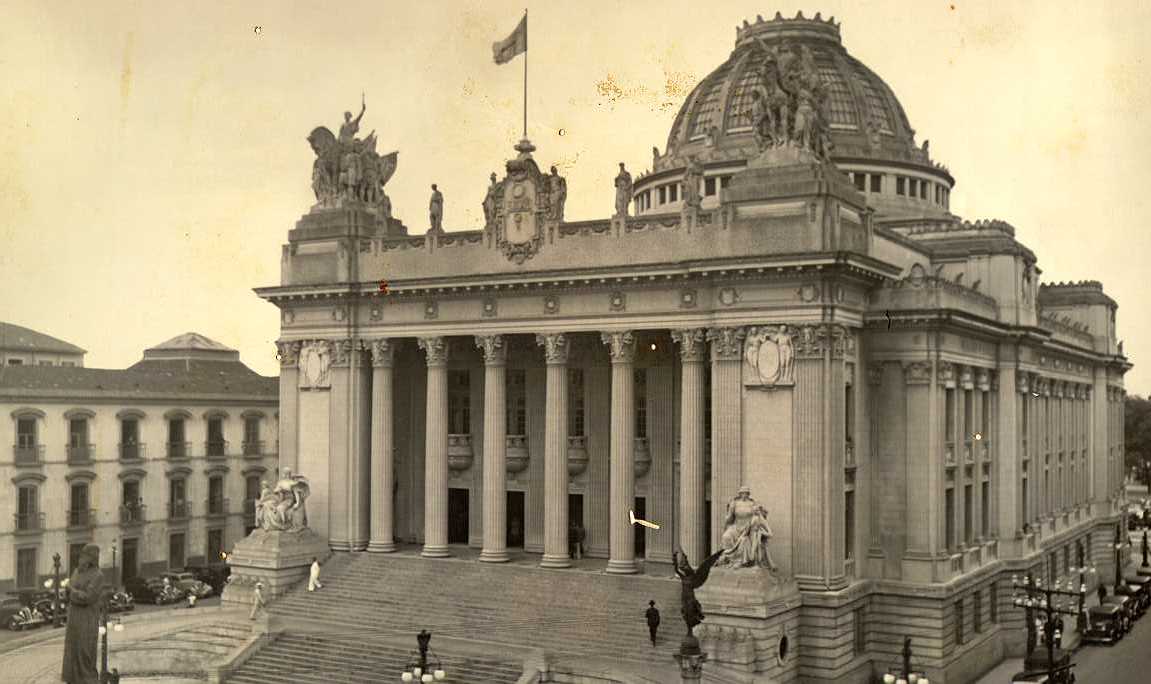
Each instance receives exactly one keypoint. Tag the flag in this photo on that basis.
(509, 47)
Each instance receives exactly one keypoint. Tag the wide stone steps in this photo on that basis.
(569, 612)
(323, 660)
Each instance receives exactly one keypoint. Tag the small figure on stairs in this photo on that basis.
(314, 577)
(652, 620)
(257, 600)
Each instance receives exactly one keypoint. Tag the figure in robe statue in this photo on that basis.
(86, 597)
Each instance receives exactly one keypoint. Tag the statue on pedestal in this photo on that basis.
(281, 509)
(690, 580)
(436, 211)
(86, 599)
(623, 191)
(788, 104)
(746, 534)
(348, 170)
(692, 178)
(558, 190)
(490, 201)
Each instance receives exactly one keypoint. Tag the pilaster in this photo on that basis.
(726, 421)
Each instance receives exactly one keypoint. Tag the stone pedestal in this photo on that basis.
(691, 660)
(749, 612)
(278, 559)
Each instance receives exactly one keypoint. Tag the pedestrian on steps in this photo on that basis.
(314, 577)
(257, 600)
(1102, 591)
(652, 620)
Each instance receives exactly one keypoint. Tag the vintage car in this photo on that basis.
(189, 584)
(1104, 624)
(120, 601)
(9, 606)
(1126, 607)
(27, 618)
(152, 590)
(1037, 668)
(45, 607)
(214, 575)
(1137, 592)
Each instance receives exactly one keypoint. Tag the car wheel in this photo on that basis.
(159, 601)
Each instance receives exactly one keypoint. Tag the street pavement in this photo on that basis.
(9, 638)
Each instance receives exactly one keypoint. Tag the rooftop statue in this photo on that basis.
(281, 508)
(789, 102)
(745, 534)
(348, 170)
(623, 191)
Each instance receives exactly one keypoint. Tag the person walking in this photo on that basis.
(257, 600)
(652, 620)
(1101, 592)
(314, 577)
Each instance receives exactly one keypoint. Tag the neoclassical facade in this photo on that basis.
(792, 310)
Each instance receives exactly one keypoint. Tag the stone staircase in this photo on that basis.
(187, 650)
(372, 605)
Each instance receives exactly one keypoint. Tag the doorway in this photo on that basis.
(129, 563)
(457, 516)
(577, 534)
(640, 530)
(515, 538)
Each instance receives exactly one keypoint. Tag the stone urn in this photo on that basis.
(517, 453)
(577, 455)
(642, 457)
(460, 454)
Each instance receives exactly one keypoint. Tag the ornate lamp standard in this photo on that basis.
(56, 613)
(1120, 544)
(1052, 601)
(1083, 570)
(903, 674)
(107, 677)
(418, 671)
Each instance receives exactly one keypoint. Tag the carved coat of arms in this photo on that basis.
(768, 357)
(315, 363)
(521, 210)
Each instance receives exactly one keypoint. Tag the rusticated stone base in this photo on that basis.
(749, 612)
(278, 559)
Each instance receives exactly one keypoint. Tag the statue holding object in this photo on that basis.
(691, 579)
(348, 171)
(746, 534)
(281, 508)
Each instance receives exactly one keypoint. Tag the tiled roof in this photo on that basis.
(175, 378)
(19, 338)
(191, 340)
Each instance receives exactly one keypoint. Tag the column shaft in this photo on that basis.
(436, 459)
(495, 548)
(383, 441)
(622, 541)
(691, 459)
(555, 453)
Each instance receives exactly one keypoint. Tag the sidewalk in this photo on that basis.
(39, 660)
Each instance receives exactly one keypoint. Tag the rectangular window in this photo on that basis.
(912, 187)
(575, 402)
(949, 518)
(849, 414)
(177, 447)
(859, 642)
(68, 364)
(985, 503)
(252, 487)
(640, 395)
(129, 438)
(216, 445)
(724, 182)
(26, 433)
(959, 635)
(977, 610)
(949, 414)
(176, 546)
(74, 556)
(215, 492)
(985, 417)
(26, 568)
(709, 186)
(849, 524)
(252, 436)
(662, 194)
(922, 189)
(78, 504)
(673, 193)
(860, 180)
(968, 504)
(900, 185)
(15, 362)
(876, 182)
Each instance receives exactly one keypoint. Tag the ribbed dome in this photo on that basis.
(866, 120)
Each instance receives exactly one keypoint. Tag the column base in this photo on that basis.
(339, 545)
(436, 551)
(500, 556)
(556, 561)
(382, 547)
(359, 545)
(622, 567)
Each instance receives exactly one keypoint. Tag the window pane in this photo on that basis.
(876, 182)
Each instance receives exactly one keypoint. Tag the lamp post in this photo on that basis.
(1120, 543)
(904, 674)
(107, 677)
(56, 621)
(1050, 600)
(418, 671)
(1083, 570)
(115, 574)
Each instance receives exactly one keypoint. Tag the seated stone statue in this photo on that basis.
(745, 534)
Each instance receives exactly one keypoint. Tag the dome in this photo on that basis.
(869, 130)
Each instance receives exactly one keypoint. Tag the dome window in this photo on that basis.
(860, 181)
(922, 189)
(663, 194)
(900, 185)
(708, 187)
(673, 193)
(877, 182)
(913, 187)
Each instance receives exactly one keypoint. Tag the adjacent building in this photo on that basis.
(154, 463)
(920, 414)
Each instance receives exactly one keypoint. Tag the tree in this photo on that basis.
(1137, 434)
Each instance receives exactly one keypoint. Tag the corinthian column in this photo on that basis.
(436, 457)
(555, 452)
(621, 346)
(726, 422)
(495, 448)
(383, 352)
(691, 462)
(288, 352)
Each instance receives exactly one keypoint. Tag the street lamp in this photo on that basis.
(1083, 570)
(115, 575)
(1052, 601)
(56, 616)
(903, 674)
(418, 671)
(107, 677)
(1120, 544)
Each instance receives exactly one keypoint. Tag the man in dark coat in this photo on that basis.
(652, 620)
(85, 604)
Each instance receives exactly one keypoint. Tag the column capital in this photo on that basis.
(726, 343)
(621, 345)
(946, 373)
(342, 350)
(555, 348)
(1022, 381)
(982, 379)
(966, 377)
(917, 372)
(435, 348)
(691, 343)
(288, 352)
(494, 350)
(383, 352)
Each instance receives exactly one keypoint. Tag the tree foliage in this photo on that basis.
(1137, 430)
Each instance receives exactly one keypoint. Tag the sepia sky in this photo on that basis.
(153, 154)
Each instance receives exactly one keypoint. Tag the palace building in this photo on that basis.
(158, 463)
(784, 301)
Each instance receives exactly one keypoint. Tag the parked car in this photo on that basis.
(1137, 592)
(1144, 584)
(152, 590)
(121, 601)
(189, 584)
(1037, 668)
(1126, 607)
(27, 618)
(1104, 625)
(45, 606)
(9, 606)
(215, 576)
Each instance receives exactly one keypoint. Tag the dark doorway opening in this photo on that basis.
(457, 516)
(130, 560)
(576, 530)
(640, 530)
(515, 520)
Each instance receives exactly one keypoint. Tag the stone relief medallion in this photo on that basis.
(728, 296)
(768, 357)
(521, 212)
(315, 363)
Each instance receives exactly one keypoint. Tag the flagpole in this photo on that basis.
(525, 75)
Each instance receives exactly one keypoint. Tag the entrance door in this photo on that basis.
(515, 520)
(640, 530)
(457, 516)
(129, 565)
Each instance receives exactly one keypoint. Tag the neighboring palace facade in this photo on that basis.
(784, 301)
(159, 464)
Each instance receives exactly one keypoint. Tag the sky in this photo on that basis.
(153, 155)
